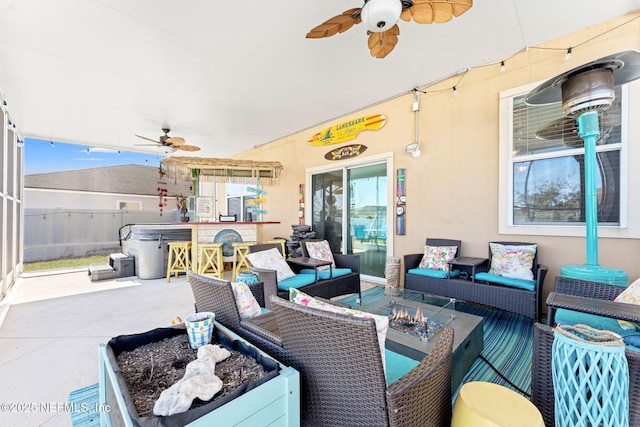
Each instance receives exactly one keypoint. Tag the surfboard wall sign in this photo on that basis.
(401, 201)
(346, 152)
(346, 131)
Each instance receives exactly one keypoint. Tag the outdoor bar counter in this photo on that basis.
(225, 232)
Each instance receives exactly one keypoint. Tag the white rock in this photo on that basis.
(199, 381)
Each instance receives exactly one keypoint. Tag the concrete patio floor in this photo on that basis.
(50, 328)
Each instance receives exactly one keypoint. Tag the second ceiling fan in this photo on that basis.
(380, 17)
(175, 142)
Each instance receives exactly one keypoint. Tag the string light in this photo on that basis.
(52, 144)
(502, 62)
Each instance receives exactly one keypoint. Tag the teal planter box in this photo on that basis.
(275, 402)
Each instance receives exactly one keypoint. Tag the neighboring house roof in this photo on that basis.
(124, 179)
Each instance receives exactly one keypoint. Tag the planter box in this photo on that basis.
(275, 402)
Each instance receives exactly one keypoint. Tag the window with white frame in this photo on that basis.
(237, 201)
(542, 167)
(129, 205)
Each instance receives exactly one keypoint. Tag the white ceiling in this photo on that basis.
(228, 76)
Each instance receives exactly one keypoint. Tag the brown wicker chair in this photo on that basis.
(216, 295)
(343, 381)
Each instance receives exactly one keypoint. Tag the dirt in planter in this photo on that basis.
(152, 368)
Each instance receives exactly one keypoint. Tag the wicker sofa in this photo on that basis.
(520, 301)
(324, 287)
(542, 391)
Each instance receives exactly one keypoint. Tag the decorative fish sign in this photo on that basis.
(346, 152)
(348, 130)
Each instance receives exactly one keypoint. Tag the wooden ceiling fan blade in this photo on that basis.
(461, 6)
(148, 139)
(337, 24)
(187, 147)
(438, 11)
(147, 145)
(176, 140)
(445, 10)
(407, 14)
(381, 44)
(423, 13)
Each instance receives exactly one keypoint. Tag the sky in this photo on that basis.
(46, 156)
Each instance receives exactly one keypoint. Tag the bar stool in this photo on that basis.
(282, 242)
(179, 258)
(240, 261)
(484, 404)
(210, 259)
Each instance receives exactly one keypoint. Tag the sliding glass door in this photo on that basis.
(349, 209)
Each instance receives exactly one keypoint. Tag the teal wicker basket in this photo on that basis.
(590, 377)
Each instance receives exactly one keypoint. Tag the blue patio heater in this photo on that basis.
(584, 92)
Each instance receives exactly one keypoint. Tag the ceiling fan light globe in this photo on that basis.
(380, 15)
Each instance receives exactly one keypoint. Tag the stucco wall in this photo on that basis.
(452, 188)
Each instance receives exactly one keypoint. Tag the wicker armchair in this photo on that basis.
(216, 295)
(348, 284)
(327, 288)
(343, 381)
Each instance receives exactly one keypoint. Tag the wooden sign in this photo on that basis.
(256, 190)
(255, 205)
(256, 210)
(346, 152)
(346, 131)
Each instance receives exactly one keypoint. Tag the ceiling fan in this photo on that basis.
(175, 142)
(380, 17)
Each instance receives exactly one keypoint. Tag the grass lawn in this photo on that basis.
(63, 263)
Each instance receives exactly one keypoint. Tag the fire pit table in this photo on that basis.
(415, 319)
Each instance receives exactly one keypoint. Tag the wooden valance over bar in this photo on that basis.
(212, 169)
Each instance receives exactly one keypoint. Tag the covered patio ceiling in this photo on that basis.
(228, 76)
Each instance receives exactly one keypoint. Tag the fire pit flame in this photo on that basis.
(401, 319)
(403, 315)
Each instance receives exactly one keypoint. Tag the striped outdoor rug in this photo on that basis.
(86, 401)
(508, 346)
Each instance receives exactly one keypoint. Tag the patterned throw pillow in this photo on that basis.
(382, 322)
(247, 304)
(513, 261)
(631, 295)
(322, 251)
(437, 257)
(271, 259)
